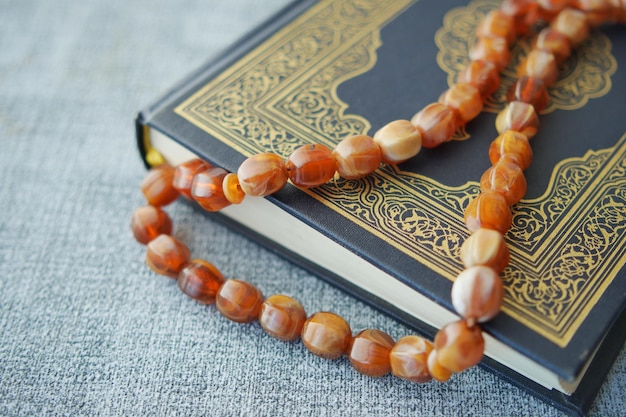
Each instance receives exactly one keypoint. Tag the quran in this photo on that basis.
(323, 70)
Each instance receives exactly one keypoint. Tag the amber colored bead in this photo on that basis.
(157, 186)
(513, 143)
(282, 317)
(490, 211)
(357, 156)
(398, 141)
(621, 12)
(598, 11)
(368, 352)
(207, 189)
(326, 335)
(409, 359)
(518, 116)
(516, 8)
(506, 178)
(573, 24)
(494, 50)
(437, 123)
(166, 255)
(554, 42)
(184, 173)
(529, 90)
(311, 166)
(262, 174)
(478, 293)
(465, 100)
(459, 346)
(239, 301)
(482, 75)
(232, 189)
(435, 369)
(523, 12)
(553, 6)
(485, 247)
(200, 280)
(148, 222)
(497, 24)
(539, 64)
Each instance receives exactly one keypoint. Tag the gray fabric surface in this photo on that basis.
(85, 327)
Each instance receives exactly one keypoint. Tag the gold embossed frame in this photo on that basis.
(567, 245)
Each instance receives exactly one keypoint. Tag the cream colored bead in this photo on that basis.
(485, 247)
(573, 24)
(478, 293)
(520, 117)
(398, 141)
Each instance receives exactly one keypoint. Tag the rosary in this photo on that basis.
(477, 293)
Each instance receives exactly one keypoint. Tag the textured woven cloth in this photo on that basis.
(85, 327)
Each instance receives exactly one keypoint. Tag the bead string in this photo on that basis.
(477, 293)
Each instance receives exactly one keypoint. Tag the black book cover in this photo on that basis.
(321, 71)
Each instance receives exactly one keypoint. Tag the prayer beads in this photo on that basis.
(477, 293)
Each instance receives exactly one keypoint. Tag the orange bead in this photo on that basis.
(232, 189)
(157, 186)
(239, 301)
(485, 247)
(435, 369)
(506, 178)
(598, 11)
(459, 346)
(539, 64)
(398, 141)
(282, 317)
(621, 12)
(326, 335)
(478, 293)
(515, 8)
(311, 166)
(368, 352)
(573, 24)
(437, 123)
(409, 359)
(529, 90)
(482, 75)
(262, 174)
(184, 173)
(490, 211)
(200, 280)
(465, 100)
(554, 42)
(207, 189)
(518, 116)
(513, 143)
(148, 222)
(552, 7)
(497, 24)
(494, 50)
(166, 255)
(523, 12)
(357, 156)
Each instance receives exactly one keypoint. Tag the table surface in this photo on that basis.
(85, 327)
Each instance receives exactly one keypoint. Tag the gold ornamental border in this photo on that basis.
(567, 246)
